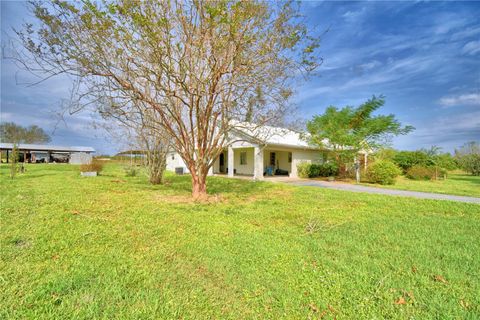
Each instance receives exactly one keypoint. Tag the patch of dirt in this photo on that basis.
(275, 194)
(439, 278)
(20, 243)
(188, 199)
(407, 297)
(118, 191)
(283, 194)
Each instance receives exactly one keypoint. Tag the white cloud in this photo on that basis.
(471, 48)
(370, 65)
(470, 32)
(353, 16)
(460, 100)
(447, 23)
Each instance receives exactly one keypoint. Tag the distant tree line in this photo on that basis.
(468, 157)
(420, 163)
(14, 133)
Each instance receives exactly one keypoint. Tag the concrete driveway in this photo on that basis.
(392, 192)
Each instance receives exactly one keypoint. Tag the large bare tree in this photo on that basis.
(138, 130)
(155, 143)
(200, 65)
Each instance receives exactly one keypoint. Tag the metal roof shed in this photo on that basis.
(49, 149)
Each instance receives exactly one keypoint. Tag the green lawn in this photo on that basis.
(456, 183)
(115, 247)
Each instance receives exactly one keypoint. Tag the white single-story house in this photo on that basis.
(272, 151)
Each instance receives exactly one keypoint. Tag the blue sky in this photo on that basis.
(423, 56)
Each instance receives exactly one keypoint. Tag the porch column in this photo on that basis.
(366, 159)
(293, 169)
(47, 160)
(258, 163)
(8, 156)
(230, 162)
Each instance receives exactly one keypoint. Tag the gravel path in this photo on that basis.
(402, 193)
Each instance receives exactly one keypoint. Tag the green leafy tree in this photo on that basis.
(438, 161)
(446, 161)
(468, 157)
(385, 154)
(408, 159)
(202, 66)
(349, 130)
(14, 133)
(429, 159)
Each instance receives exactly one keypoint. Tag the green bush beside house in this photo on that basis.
(383, 172)
(313, 170)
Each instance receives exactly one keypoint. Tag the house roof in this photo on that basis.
(43, 147)
(274, 135)
(281, 137)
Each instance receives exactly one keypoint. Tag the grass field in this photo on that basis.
(457, 183)
(115, 247)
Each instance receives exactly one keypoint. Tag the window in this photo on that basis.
(289, 157)
(173, 156)
(243, 158)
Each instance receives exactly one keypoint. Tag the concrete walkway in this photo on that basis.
(392, 192)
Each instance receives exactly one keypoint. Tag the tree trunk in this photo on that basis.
(199, 184)
(156, 167)
(156, 179)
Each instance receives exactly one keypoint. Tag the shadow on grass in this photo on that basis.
(471, 179)
(215, 185)
(26, 175)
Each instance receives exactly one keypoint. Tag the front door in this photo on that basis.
(221, 160)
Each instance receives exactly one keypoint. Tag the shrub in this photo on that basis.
(95, 166)
(443, 172)
(328, 169)
(383, 172)
(131, 171)
(311, 170)
(408, 159)
(303, 170)
(421, 173)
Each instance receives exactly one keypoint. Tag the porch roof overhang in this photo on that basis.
(289, 146)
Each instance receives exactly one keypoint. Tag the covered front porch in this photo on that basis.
(260, 162)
